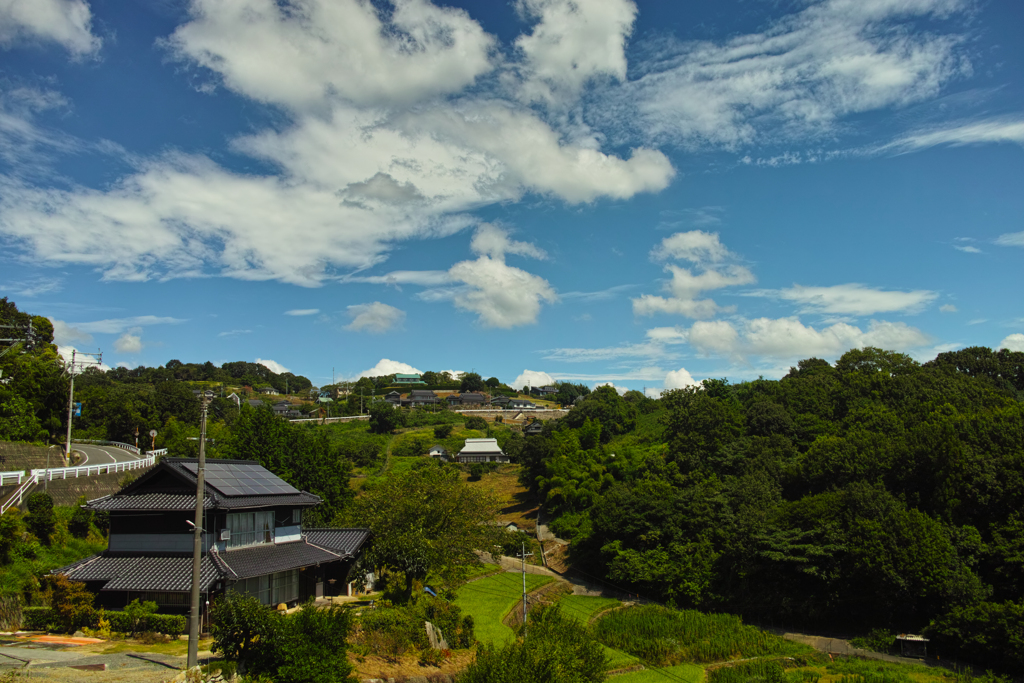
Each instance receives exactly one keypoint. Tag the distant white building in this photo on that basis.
(481, 450)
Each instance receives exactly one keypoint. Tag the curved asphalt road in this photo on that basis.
(102, 455)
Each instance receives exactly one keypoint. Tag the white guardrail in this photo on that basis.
(27, 481)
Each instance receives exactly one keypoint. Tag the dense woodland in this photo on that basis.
(875, 492)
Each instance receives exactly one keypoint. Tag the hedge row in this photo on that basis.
(43, 619)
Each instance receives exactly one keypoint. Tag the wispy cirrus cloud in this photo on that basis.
(302, 311)
(851, 299)
(375, 317)
(979, 132)
(796, 78)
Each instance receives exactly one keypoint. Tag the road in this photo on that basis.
(102, 455)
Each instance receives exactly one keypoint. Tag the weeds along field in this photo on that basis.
(665, 637)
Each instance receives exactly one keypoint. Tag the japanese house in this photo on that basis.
(253, 543)
(481, 450)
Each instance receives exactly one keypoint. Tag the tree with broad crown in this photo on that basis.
(427, 521)
(384, 418)
(472, 381)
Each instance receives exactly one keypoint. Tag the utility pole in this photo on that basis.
(524, 556)
(197, 542)
(71, 399)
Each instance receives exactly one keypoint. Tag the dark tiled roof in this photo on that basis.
(230, 485)
(265, 559)
(143, 573)
(149, 501)
(345, 542)
(181, 502)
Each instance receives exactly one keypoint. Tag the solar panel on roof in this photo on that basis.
(233, 479)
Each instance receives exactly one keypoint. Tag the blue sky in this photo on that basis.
(644, 193)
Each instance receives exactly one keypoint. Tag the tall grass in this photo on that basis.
(664, 636)
(762, 671)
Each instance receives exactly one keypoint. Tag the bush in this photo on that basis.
(37, 619)
(476, 422)
(246, 632)
(81, 520)
(555, 649)
(70, 601)
(442, 431)
(41, 519)
(140, 617)
(305, 647)
(877, 639)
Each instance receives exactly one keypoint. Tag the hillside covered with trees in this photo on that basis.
(873, 493)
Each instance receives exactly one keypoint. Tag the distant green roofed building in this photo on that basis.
(402, 378)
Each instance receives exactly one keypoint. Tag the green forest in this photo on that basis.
(875, 492)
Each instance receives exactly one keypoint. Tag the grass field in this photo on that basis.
(489, 600)
(583, 607)
(681, 673)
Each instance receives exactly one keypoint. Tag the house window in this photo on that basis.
(271, 589)
(297, 516)
(167, 599)
(250, 528)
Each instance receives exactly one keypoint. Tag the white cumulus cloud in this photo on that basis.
(686, 285)
(272, 365)
(66, 22)
(533, 378)
(572, 42)
(65, 334)
(376, 317)
(130, 341)
(785, 338)
(1014, 342)
(388, 367)
(678, 379)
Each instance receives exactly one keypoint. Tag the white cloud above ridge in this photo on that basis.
(1013, 342)
(679, 379)
(588, 355)
(65, 22)
(272, 365)
(533, 378)
(130, 341)
(375, 317)
(302, 311)
(797, 77)
(788, 338)
(388, 367)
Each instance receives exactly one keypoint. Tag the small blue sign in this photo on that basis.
(78, 410)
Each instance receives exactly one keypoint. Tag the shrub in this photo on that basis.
(37, 619)
(442, 431)
(555, 649)
(41, 519)
(81, 520)
(136, 612)
(877, 639)
(245, 631)
(70, 601)
(476, 422)
(129, 622)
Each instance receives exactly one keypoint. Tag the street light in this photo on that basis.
(197, 543)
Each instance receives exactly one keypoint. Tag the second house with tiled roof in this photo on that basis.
(253, 543)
